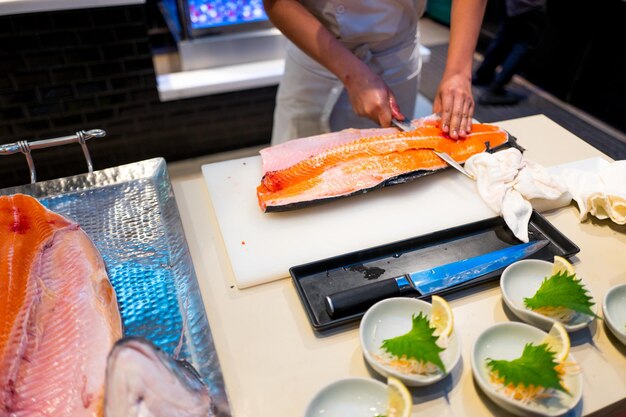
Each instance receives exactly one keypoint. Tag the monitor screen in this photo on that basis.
(206, 14)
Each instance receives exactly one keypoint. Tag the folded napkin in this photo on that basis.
(511, 184)
(601, 194)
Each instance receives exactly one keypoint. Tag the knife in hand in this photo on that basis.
(428, 281)
(402, 125)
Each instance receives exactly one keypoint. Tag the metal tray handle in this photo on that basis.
(26, 147)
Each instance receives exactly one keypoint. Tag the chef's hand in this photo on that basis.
(370, 97)
(455, 103)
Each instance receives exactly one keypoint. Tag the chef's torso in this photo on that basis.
(382, 33)
(381, 24)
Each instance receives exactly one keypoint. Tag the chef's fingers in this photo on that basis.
(463, 130)
(457, 114)
(447, 101)
(380, 109)
(395, 109)
(437, 105)
(470, 117)
(369, 96)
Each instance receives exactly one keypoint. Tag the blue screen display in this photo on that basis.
(208, 14)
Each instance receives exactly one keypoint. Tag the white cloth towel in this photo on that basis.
(601, 194)
(511, 184)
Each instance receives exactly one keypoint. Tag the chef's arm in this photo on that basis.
(369, 95)
(454, 100)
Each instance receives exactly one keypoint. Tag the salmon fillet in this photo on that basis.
(287, 153)
(58, 314)
(365, 163)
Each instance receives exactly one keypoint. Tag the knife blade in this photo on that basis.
(454, 164)
(403, 125)
(408, 127)
(428, 281)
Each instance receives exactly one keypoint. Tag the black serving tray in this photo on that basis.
(315, 280)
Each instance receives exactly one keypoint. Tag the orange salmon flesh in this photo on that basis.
(58, 314)
(369, 161)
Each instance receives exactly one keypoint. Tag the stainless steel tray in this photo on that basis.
(131, 215)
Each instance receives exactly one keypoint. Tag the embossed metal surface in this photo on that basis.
(131, 215)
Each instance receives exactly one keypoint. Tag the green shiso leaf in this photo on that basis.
(561, 290)
(419, 343)
(536, 367)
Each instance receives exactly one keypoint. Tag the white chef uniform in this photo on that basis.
(383, 33)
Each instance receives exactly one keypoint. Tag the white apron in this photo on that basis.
(383, 33)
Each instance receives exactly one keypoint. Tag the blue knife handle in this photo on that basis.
(354, 300)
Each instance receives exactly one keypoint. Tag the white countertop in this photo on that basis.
(273, 362)
(10, 7)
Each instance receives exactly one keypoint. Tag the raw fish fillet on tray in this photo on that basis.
(59, 316)
(60, 321)
(311, 170)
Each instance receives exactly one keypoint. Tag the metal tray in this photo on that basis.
(315, 280)
(131, 215)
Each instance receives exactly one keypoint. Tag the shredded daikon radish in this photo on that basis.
(406, 365)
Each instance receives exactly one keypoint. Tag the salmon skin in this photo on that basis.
(58, 314)
(340, 168)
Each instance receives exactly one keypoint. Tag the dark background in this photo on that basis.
(80, 69)
(582, 56)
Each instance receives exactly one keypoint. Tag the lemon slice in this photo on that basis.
(400, 400)
(441, 317)
(562, 265)
(558, 341)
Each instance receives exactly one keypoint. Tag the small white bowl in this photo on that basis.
(358, 397)
(614, 307)
(521, 280)
(507, 341)
(393, 317)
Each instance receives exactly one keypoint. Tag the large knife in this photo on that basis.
(428, 281)
(408, 127)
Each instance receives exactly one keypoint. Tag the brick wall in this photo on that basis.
(70, 70)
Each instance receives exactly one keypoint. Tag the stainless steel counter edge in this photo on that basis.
(11, 7)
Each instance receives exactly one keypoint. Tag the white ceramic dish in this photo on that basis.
(521, 280)
(507, 341)
(355, 397)
(614, 307)
(392, 317)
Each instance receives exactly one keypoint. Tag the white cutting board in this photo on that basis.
(263, 246)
